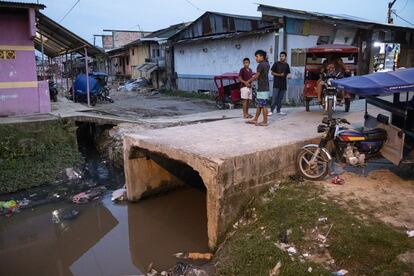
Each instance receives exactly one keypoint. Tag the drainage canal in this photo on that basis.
(105, 238)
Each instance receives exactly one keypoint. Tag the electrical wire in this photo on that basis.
(74, 5)
(403, 19)
(192, 4)
(403, 8)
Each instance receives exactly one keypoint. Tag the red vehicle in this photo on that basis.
(315, 59)
(228, 89)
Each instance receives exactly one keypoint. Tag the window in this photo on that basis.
(132, 51)
(297, 57)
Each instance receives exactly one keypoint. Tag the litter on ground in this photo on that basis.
(341, 272)
(276, 269)
(119, 195)
(72, 174)
(194, 256)
(85, 197)
(8, 207)
(61, 215)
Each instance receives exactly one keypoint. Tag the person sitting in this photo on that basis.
(329, 73)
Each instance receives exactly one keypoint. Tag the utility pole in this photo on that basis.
(390, 5)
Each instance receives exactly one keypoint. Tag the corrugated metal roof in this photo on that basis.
(57, 40)
(344, 18)
(247, 17)
(21, 5)
(216, 23)
(224, 36)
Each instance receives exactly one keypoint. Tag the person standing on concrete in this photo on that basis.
(246, 88)
(262, 96)
(280, 72)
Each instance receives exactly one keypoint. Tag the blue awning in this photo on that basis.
(378, 83)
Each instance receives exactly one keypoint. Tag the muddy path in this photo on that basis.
(385, 191)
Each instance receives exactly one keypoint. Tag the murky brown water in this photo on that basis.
(105, 238)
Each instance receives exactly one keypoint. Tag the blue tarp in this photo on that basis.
(80, 84)
(378, 83)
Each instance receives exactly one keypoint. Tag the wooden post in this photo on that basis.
(87, 77)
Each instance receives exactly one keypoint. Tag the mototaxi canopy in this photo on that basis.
(377, 84)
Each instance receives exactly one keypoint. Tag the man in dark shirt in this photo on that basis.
(280, 71)
(246, 94)
(262, 95)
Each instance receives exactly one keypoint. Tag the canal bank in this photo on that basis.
(99, 237)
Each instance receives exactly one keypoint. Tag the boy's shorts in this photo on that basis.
(246, 93)
(262, 98)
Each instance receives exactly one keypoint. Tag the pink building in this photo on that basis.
(20, 92)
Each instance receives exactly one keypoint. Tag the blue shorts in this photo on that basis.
(262, 98)
(261, 102)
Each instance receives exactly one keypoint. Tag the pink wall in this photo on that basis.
(17, 29)
(23, 68)
(18, 101)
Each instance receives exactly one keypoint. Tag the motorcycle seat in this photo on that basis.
(376, 134)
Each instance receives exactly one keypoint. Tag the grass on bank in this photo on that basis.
(189, 95)
(35, 154)
(363, 247)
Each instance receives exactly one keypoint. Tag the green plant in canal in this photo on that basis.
(356, 241)
(35, 154)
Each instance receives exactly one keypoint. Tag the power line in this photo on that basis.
(192, 4)
(405, 20)
(403, 8)
(74, 5)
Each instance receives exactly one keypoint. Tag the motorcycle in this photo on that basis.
(98, 89)
(53, 91)
(350, 146)
(330, 95)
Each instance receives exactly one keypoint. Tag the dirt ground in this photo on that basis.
(386, 192)
(135, 105)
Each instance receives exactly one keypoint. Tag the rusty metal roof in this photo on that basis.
(216, 23)
(57, 40)
(270, 11)
(21, 5)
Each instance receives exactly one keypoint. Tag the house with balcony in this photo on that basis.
(148, 55)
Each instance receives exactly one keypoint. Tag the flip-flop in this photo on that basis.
(251, 122)
(262, 124)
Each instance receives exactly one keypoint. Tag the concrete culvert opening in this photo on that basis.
(150, 173)
(156, 173)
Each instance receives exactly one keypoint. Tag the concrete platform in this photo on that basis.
(234, 160)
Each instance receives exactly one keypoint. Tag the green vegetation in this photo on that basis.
(35, 154)
(190, 95)
(361, 246)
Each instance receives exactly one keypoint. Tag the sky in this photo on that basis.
(90, 17)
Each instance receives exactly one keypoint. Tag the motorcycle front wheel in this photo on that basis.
(316, 170)
(330, 104)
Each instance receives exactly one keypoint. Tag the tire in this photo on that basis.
(329, 105)
(220, 104)
(347, 105)
(307, 104)
(94, 100)
(323, 165)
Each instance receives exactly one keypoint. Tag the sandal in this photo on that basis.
(251, 122)
(262, 124)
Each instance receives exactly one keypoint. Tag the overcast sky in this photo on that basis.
(90, 17)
